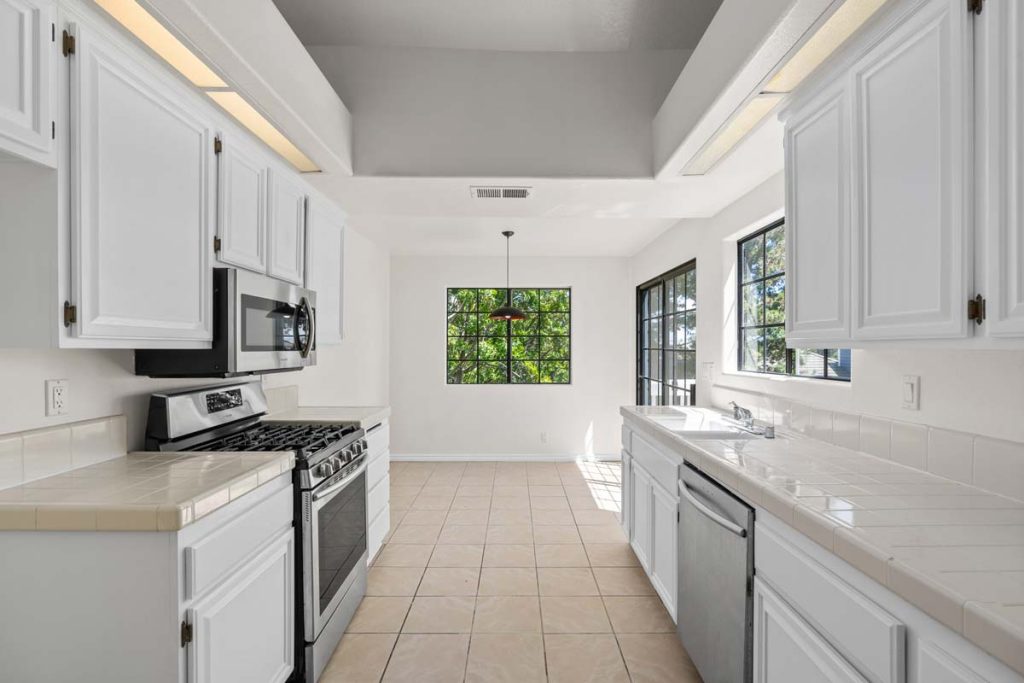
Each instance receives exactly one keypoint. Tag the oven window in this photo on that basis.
(269, 325)
(341, 537)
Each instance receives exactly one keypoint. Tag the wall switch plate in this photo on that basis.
(706, 368)
(912, 392)
(56, 397)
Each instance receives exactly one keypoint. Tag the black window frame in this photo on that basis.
(666, 384)
(791, 354)
(509, 336)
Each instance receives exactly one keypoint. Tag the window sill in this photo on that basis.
(786, 379)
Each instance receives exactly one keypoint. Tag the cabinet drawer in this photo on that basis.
(377, 531)
(627, 439)
(378, 439)
(377, 497)
(215, 555)
(865, 634)
(661, 468)
(378, 467)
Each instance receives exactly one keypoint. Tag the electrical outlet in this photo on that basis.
(56, 397)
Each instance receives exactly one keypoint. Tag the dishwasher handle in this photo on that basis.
(709, 513)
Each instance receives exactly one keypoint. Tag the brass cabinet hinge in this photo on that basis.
(70, 314)
(186, 633)
(218, 146)
(216, 244)
(976, 309)
(975, 6)
(68, 44)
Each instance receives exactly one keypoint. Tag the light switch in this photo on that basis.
(912, 392)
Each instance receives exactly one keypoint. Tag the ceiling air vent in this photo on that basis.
(494, 192)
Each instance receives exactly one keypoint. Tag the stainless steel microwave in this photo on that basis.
(260, 325)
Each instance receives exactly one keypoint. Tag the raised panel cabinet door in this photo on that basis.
(325, 250)
(245, 629)
(935, 665)
(642, 512)
(242, 206)
(286, 229)
(664, 541)
(1000, 125)
(788, 650)
(818, 221)
(141, 189)
(912, 230)
(26, 48)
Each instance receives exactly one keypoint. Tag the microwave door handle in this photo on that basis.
(304, 351)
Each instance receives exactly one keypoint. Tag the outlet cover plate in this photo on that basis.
(56, 397)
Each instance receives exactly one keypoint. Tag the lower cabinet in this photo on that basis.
(378, 488)
(641, 523)
(652, 523)
(788, 650)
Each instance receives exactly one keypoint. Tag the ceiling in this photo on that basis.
(502, 25)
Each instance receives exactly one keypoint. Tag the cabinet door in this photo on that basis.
(1000, 93)
(626, 516)
(912, 233)
(242, 205)
(641, 540)
(244, 631)
(325, 240)
(141, 202)
(286, 229)
(935, 665)
(788, 650)
(664, 540)
(818, 222)
(26, 49)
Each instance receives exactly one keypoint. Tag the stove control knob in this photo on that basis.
(337, 463)
(326, 469)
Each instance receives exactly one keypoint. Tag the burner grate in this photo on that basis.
(304, 440)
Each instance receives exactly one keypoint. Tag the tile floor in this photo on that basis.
(508, 572)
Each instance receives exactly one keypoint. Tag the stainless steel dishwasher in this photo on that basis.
(716, 567)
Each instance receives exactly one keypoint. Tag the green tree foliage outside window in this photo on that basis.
(531, 351)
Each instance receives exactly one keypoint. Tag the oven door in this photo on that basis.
(274, 323)
(334, 543)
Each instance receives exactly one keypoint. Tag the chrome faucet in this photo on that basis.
(742, 414)
(746, 419)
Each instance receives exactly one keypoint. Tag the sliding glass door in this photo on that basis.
(666, 313)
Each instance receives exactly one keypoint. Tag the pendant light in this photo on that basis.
(508, 311)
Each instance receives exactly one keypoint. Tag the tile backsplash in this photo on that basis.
(992, 464)
(26, 456)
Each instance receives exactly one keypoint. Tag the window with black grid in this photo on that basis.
(667, 338)
(536, 350)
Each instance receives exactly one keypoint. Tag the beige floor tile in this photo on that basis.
(440, 490)
(549, 504)
(512, 555)
(506, 614)
(471, 503)
(508, 581)
(506, 658)
(574, 615)
(440, 615)
(595, 517)
(549, 517)
(586, 503)
(584, 659)
(506, 491)
(657, 658)
(430, 503)
(393, 581)
(611, 555)
(546, 491)
(510, 503)
(425, 518)
(623, 581)
(607, 533)
(469, 517)
(516, 534)
(440, 581)
(380, 615)
(428, 658)
(460, 534)
(509, 517)
(359, 658)
(638, 614)
(456, 556)
(474, 490)
(396, 555)
(566, 581)
(561, 555)
(550, 534)
(413, 534)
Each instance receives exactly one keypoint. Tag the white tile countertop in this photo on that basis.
(138, 492)
(953, 550)
(364, 416)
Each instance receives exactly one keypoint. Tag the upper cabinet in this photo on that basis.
(241, 204)
(27, 44)
(286, 227)
(880, 182)
(325, 238)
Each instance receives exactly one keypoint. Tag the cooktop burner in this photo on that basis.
(305, 440)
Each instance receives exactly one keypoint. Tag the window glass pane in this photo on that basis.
(691, 289)
(752, 261)
(654, 394)
(462, 324)
(666, 312)
(461, 348)
(462, 372)
(461, 300)
(526, 299)
(527, 348)
(679, 298)
(554, 348)
(655, 306)
(525, 327)
(810, 362)
(554, 300)
(676, 331)
(493, 373)
(775, 250)
(690, 325)
(491, 299)
(493, 348)
(753, 304)
(775, 349)
(775, 300)
(554, 323)
(682, 369)
(678, 397)
(654, 365)
(490, 328)
(654, 328)
(554, 372)
(525, 372)
(839, 361)
(752, 350)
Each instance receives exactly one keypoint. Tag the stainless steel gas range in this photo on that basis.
(330, 498)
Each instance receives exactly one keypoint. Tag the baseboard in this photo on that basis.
(503, 457)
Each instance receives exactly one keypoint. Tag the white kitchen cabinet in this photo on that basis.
(141, 202)
(241, 204)
(286, 227)
(27, 46)
(935, 665)
(788, 650)
(325, 250)
(999, 33)
(641, 523)
(244, 631)
(626, 516)
(817, 147)
(664, 542)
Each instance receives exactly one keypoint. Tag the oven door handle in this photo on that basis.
(335, 488)
(311, 317)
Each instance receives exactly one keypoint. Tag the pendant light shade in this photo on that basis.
(508, 311)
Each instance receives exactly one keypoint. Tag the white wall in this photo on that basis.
(102, 382)
(431, 417)
(977, 391)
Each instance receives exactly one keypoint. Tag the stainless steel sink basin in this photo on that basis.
(694, 423)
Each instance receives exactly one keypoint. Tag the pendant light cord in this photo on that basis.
(508, 278)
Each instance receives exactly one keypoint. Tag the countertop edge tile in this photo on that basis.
(995, 633)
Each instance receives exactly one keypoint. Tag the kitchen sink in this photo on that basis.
(694, 423)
